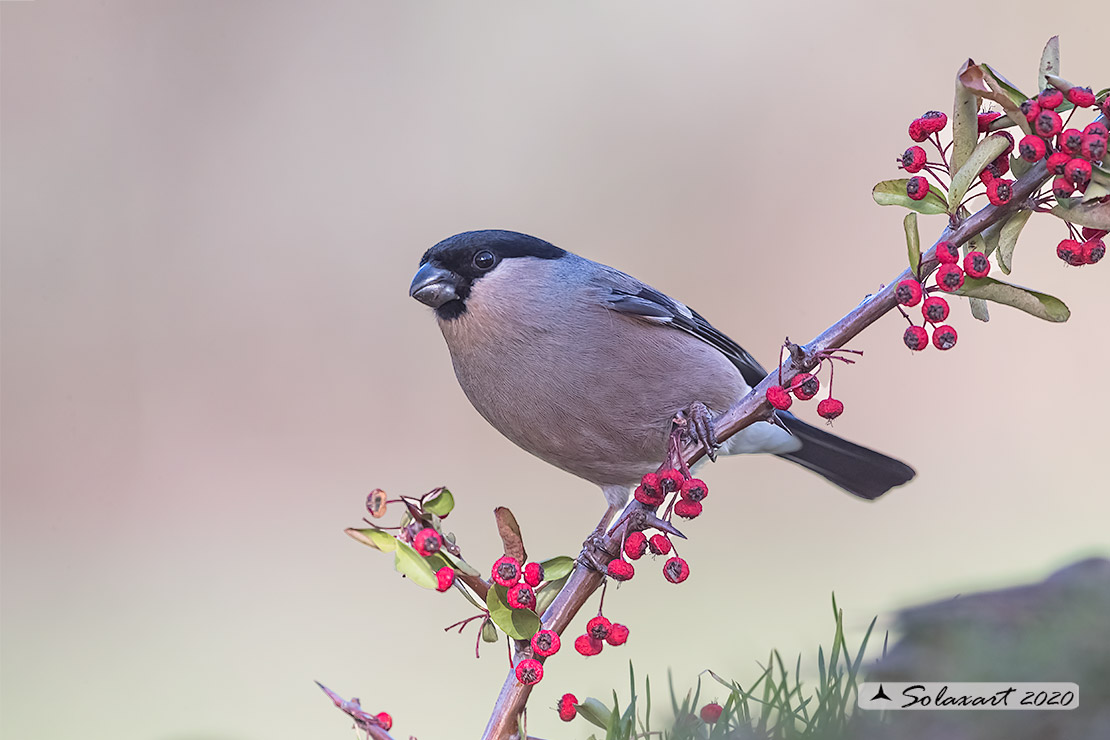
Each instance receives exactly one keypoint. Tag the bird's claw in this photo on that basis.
(697, 424)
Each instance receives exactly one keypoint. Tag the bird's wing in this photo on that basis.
(629, 296)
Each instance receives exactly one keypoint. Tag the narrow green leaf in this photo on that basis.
(986, 152)
(519, 624)
(546, 595)
(489, 631)
(409, 562)
(1015, 95)
(1050, 62)
(461, 565)
(1007, 238)
(1041, 305)
(594, 712)
(1095, 191)
(441, 504)
(375, 538)
(990, 238)
(1019, 166)
(980, 81)
(913, 241)
(893, 193)
(1095, 215)
(557, 567)
(979, 309)
(965, 122)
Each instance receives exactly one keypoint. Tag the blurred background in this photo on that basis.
(211, 215)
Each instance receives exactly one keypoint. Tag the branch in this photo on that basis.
(750, 409)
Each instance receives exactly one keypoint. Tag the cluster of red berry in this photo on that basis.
(1087, 250)
(949, 277)
(805, 386)
(520, 580)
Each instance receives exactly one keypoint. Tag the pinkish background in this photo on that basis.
(211, 214)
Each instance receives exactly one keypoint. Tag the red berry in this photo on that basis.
(533, 574)
(1056, 162)
(646, 498)
(694, 490)
(676, 570)
(976, 265)
(999, 192)
(659, 544)
(947, 253)
(567, 710)
(671, 480)
(710, 713)
(935, 310)
(1062, 188)
(621, 570)
(917, 130)
(950, 278)
(913, 159)
(1032, 148)
(1047, 123)
(916, 338)
(445, 578)
(506, 571)
(917, 187)
(427, 541)
(1050, 97)
(1093, 251)
(1097, 128)
(529, 671)
(1070, 251)
(830, 408)
(1093, 147)
(598, 627)
(1031, 108)
(1106, 106)
(1081, 97)
(635, 545)
(384, 721)
(999, 167)
(986, 175)
(618, 635)
(908, 293)
(778, 397)
(985, 120)
(687, 509)
(933, 121)
(651, 483)
(944, 337)
(805, 386)
(545, 643)
(1078, 171)
(587, 645)
(521, 596)
(1070, 140)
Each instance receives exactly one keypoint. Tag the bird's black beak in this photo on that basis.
(434, 286)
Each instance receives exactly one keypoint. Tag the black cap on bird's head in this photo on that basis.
(449, 269)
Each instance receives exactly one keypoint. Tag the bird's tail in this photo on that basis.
(858, 470)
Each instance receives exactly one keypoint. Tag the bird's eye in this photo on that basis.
(484, 259)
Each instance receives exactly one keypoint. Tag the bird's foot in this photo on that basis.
(695, 424)
(594, 552)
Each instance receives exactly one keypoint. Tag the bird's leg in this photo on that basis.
(693, 424)
(594, 554)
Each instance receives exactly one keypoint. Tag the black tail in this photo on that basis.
(858, 470)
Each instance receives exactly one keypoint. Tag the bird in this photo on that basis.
(586, 367)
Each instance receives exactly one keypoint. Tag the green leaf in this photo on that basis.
(913, 242)
(441, 504)
(519, 624)
(893, 193)
(489, 631)
(1050, 62)
(409, 562)
(989, 238)
(594, 712)
(965, 122)
(986, 152)
(1015, 95)
(979, 309)
(461, 565)
(1007, 238)
(1095, 215)
(1095, 191)
(547, 594)
(1041, 305)
(375, 538)
(980, 81)
(1019, 166)
(557, 567)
